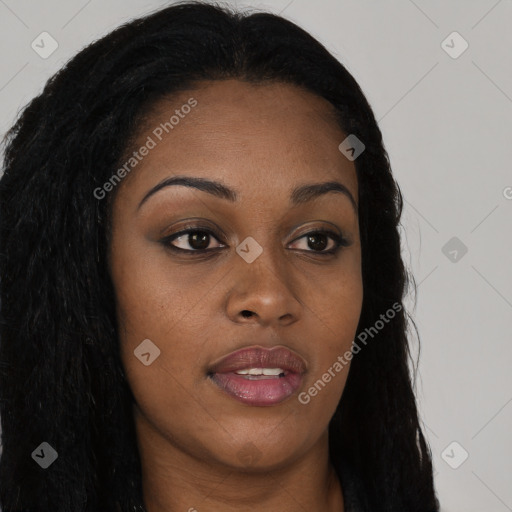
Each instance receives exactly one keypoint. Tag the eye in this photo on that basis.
(191, 240)
(318, 240)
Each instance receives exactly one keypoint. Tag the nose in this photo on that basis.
(263, 292)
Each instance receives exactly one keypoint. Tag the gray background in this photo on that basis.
(447, 124)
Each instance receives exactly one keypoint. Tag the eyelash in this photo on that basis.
(339, 241)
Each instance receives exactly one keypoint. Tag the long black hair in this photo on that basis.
(61, 377)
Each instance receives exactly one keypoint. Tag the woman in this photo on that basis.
(201, 294)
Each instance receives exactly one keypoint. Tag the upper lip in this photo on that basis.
(260, 357)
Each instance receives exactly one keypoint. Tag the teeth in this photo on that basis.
(260, 371)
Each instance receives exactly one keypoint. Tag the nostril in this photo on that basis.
(246, 313)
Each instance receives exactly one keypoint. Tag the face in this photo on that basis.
(202, 275)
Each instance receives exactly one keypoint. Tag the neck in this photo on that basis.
(173, 481)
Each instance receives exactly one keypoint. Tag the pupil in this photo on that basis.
(203, 240)
(315, 243)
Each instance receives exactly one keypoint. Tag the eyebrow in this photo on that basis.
(299, 195)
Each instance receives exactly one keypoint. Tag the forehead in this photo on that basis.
(246, 134)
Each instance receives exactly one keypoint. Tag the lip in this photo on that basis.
(264, 390)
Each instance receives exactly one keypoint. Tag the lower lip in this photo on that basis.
(258, 392)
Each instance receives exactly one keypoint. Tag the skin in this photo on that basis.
(201, 449)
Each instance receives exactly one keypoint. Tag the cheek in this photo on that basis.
(158, 349)
(151, 295)
(335, 300)
(150, 308)
(335, 303)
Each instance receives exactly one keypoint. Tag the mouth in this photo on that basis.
(258, 376)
